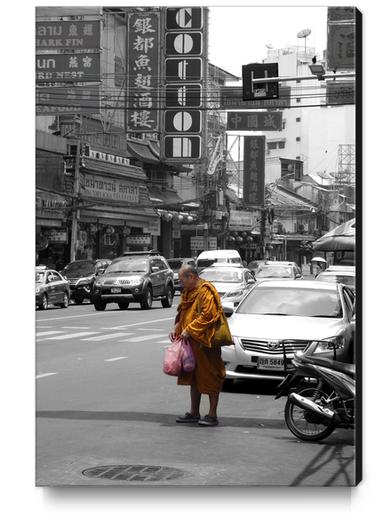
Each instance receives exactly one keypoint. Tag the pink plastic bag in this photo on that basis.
(188, 359)
(172, 363)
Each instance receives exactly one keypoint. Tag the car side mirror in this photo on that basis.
(251, 280)
(228, 308)
(154, 269)
(100, 271)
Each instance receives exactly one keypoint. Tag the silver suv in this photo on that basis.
(135, 277)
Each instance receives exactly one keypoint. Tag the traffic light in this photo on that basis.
(265, 90)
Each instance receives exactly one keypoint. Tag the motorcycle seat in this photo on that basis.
(345, 368)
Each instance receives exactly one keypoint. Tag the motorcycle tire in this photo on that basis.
(304, 424)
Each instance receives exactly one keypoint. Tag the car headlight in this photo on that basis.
(329, 344)
(84, 281)
(231, 294)
(136, 280)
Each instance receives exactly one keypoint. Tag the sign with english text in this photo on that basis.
(254, 171)
(70, 100)
(50, 35)
(143, 72)
(67, 67)
(254, 121)
(96, 186)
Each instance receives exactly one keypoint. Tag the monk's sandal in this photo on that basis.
(208, 421)
(188, 418)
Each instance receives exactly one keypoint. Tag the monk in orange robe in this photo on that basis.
(198, 311)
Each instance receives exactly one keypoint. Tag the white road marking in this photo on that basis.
(143, 338)
(74, 327)
(147, 329)
(44, 327)
(69, 336)
(105, 337)
(143, 323)
(45, 333)
(46, 375)
(116, 359)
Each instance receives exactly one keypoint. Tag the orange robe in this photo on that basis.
(198, 311)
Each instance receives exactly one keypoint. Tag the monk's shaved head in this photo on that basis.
(188, 270)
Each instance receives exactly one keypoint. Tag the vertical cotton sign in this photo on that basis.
(254, 171)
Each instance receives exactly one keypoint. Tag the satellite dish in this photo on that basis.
(269, 46)
(304, 33)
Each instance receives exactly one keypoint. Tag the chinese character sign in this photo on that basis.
(67, 67)
(50, 35)
(143, 79)
(254, 171)
(270, 121)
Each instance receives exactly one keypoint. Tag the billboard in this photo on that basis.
(254, 171)
(83, 67)
(231, 98)
(143, 72)
(262, 121)
(341, 38)
(183, 120)
(72, 100)
(55, 35)
(340, 92)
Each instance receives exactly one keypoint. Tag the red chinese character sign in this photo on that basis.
(143, 74)
(254, 171)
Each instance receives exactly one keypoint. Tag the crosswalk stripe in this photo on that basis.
(143, 338)
(74, 327)
(46, 375)
(105, 337)
(69, 336)
(116, 359)
(45, 333)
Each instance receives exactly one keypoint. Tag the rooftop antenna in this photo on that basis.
(304, 34)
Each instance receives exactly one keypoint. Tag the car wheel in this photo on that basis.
(100, 305)
(65, 301)
(167, 300)
(228, 385)
(146, 301)
(123, 305)
(44, 304)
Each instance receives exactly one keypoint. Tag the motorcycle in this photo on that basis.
(321, 394)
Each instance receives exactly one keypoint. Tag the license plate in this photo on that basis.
(271, 363)
(115, 290)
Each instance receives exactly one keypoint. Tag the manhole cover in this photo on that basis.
(134, 473)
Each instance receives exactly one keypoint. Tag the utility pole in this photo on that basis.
(75, 207)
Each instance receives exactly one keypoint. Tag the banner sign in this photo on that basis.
(340, 92)
(341, 38)
(231, 98)
(254, 121)
(254, 171)
(143, 72)
(96, 186)
(291, 168)
(184, 65)
(138, 240)
(241, 220)
(70, 100)
(67, 67)
(50, 35)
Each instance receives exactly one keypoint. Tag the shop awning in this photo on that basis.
(342, 237)
(141, 150)
(164, 197)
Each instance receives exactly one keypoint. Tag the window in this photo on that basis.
(298, 119)
(56, 277)
(298, 100)
(281, 144)
(298, 157)
(298, 138)
(272, 146)
(283, 124)
(348, 303)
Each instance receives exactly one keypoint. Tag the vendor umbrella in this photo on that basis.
(342, 237)
(320, 259)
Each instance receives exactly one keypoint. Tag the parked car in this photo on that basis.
(288, 316)
(175, 264)
(81, 275)
(271, 270)
(228, 257)
(340, 274)
(232, 283)
(50, 288)
(135, 277)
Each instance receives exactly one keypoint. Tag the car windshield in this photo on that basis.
(175, 264)
(331, 278)
(274, 271)
(127, 265)
(80, 268)
(39, 277)
(204, 263)
(292, 302)
(222, 276)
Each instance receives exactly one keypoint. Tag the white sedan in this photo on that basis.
(278, 317)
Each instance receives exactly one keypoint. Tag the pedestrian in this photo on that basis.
(198, 310)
